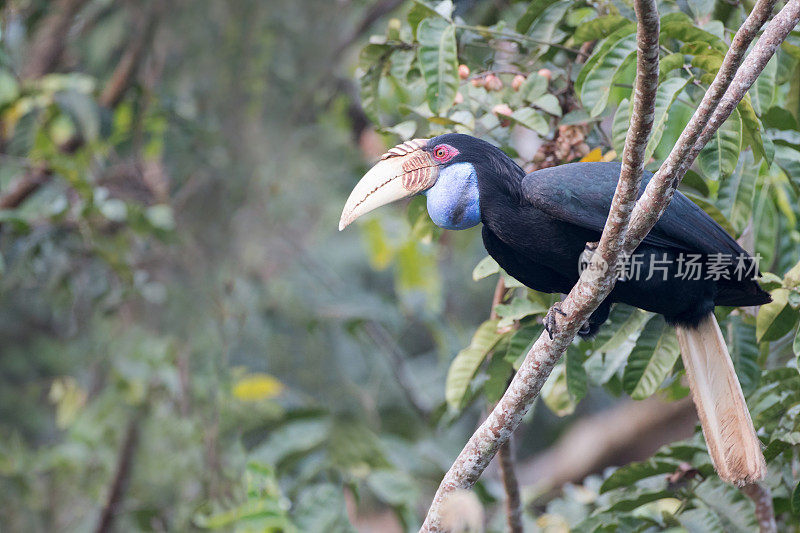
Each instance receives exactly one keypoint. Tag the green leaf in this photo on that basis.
(485, 268)
(498, 374)
(686, 31)
(600, 52)
(744, 352)
(695, 181)
(665, 96)
(598, 82)
(751, 130)
(737, 193)
(535, 10)
(555, 392)
(578, 116)
(419, 12)
(545, 27)
(708, 62)
(776, 318)
(651, 360)
(616, 340)
(719, 157)
(701, 8)
(700, 520)
(293, 439)
(373, 59)
(83, 111)
(521, 342)
(796, 499)
(575, 373)
(393, 487)
(788, 159)
(600, 28)
(322, 508)
(9, 87)
(764, 89)
(733, 508)
(635, 497)
(467, 361)
(779, 118)
(668, 64)
(712, 211)
(620, 125)
(630, 474)
(531, 119)
(517, 309)
(548, 103)
(438, 62)
(533, 87)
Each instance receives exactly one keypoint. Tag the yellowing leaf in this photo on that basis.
(69, 398)
(593, 157)
(379, 250)
(257, 387)
(609, 156)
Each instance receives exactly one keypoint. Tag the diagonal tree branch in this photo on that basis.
(584, 297)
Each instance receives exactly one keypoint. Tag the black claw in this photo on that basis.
(549, 321)
(586, 328)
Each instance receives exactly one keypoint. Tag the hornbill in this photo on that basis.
(538, 226)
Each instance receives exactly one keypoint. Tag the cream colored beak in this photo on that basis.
(403, 171)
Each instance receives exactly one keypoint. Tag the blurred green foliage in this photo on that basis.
(185, 341)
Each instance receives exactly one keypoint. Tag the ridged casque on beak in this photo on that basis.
(403, 171)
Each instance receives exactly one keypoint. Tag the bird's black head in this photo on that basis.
(453, 170)
(485, 157)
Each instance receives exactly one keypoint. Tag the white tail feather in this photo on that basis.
(731, 439)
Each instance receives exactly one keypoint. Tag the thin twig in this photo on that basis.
(762, 497)
(49, 40)
(119, 483)
(516, 37)
(584, 297)
(513, 503)
(128, 67)
(505, 455)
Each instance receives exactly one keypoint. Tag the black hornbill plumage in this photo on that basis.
(537, 227)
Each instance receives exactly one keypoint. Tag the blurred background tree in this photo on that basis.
(186, 342)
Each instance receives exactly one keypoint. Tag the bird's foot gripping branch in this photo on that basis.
(550, 325)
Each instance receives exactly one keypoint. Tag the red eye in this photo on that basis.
(444, 152)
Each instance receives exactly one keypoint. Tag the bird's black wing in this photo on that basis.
(581, 193)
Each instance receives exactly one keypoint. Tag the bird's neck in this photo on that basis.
(501, 177)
